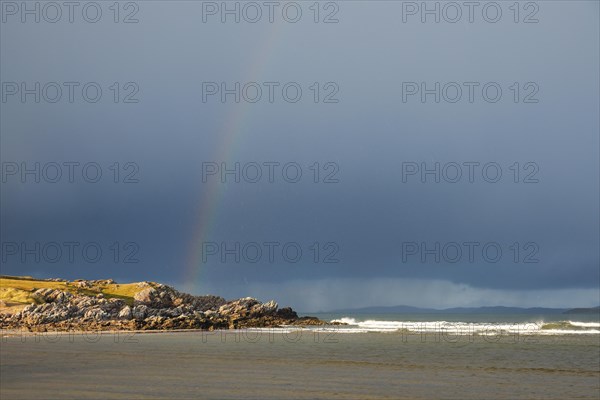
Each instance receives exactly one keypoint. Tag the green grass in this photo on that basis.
(18, 290)
(18, 296)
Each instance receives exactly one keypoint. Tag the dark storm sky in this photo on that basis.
(373, 217)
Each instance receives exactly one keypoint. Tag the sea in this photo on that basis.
(372, 356)
(449, 324)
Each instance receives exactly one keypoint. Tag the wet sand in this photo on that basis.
(226, 365)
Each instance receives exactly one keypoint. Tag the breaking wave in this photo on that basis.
(353, 325)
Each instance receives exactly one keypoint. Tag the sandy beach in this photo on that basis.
(294, 364)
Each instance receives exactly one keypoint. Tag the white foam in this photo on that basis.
(567, 332)
(460, 328)
(585, 324)
(345, 320)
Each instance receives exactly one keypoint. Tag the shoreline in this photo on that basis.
(17, 332)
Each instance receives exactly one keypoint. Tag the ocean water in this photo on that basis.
(447, 324)
(373, 358)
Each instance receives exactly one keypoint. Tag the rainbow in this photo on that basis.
(207, 212)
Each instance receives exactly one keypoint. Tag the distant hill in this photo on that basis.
(455, 310)
(593, 310)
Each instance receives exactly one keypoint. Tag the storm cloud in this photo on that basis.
(398, 176)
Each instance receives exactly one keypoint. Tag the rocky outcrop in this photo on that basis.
(154, 306)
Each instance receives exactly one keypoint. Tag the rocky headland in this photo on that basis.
(60, 305)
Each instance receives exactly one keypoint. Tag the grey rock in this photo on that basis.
(125, 313)
(155, 306)
(139, 312)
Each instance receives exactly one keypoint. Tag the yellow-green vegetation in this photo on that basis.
(121, 291)
(29, 284)
(10, 296)
(18, 290)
